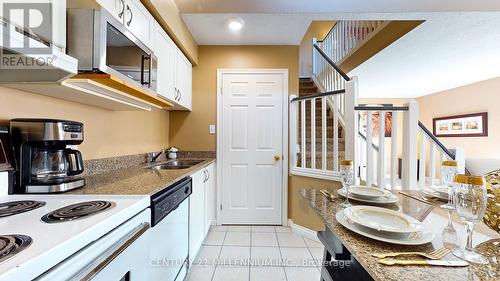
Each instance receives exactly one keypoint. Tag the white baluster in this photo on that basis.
(381, 151)
(335, 134)
(293, 130)
(432, 163)
(313, 133)
(303, 133)
(369, 149)
(323, 133)
(460, 158)
(423, 161)
(394, 149)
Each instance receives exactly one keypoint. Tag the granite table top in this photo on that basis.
(434, 219)
(136, 180)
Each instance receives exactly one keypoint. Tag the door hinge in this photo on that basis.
(221, 91)
(221, 207)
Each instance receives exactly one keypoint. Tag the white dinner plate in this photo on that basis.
(389, 198)
(440, 193)
(418, 238)
(365, 192)
(382, 219)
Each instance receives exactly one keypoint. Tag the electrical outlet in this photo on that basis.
(211, 129)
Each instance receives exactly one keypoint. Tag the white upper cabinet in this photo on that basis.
(115, 7)
(138, 20)
(184, 80)
(166, 52)
(134, 16)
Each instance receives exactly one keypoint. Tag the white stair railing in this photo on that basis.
(379, 162)
(307, 159)
(347, 35)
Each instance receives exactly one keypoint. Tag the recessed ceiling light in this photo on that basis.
(235, 23)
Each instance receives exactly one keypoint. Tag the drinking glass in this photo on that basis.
(449, 170)
(346, 169)
(470, 204)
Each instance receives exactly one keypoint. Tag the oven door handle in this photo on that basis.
(127, 241)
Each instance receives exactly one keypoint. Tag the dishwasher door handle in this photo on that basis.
(127, 241)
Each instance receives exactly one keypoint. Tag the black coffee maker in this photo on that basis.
(45, 163)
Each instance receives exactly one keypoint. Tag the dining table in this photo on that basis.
(348, 255)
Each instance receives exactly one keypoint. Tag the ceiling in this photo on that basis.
(454, 47)
(334, 6)
(445, 52)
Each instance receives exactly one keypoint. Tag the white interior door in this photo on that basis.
(251, 132)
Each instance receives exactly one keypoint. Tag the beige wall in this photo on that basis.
(473, 98)
(317, 29)
(107, 133)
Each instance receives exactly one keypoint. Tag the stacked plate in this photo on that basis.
(384, 225)
(438, 192)
(369, 195)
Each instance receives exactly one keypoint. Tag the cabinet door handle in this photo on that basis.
(131, 15)
(120, 14)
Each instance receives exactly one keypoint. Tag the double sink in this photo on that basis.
(173, 164)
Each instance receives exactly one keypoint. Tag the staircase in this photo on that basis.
(308, 88)
(324, 126)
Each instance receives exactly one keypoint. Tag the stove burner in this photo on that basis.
(77, 211)
(18, 207)
(10, 245)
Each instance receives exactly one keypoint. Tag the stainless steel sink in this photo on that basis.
(174, 165)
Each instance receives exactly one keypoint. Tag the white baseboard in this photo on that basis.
(303, 231)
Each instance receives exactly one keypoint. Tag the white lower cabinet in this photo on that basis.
(201, 208)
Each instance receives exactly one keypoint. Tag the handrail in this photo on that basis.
(381, 108)
(435, 140)
(330, 62)
(319, 95)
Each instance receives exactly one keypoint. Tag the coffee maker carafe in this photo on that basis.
(46, 163)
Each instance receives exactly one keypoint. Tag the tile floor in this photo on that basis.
(256, 253)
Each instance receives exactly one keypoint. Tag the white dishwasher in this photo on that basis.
(169, 233)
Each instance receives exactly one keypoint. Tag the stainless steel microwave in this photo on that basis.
(102, 44)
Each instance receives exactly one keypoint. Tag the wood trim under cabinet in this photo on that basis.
(122, 86)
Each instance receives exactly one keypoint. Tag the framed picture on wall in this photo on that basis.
(466, 125)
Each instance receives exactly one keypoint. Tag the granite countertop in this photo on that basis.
(136, 180)
(434, 219)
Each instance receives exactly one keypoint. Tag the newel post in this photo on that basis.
(351, 124)
(410, 147)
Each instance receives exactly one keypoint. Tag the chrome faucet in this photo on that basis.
(152, 156)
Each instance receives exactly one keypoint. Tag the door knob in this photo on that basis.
(277, 157)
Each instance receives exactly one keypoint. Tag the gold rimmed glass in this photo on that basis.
(449, 169)
(346, 169)
(470, 204)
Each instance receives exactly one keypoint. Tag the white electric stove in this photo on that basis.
(96, 237)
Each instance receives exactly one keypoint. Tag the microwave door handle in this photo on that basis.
(143, 73)
(103, 262)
